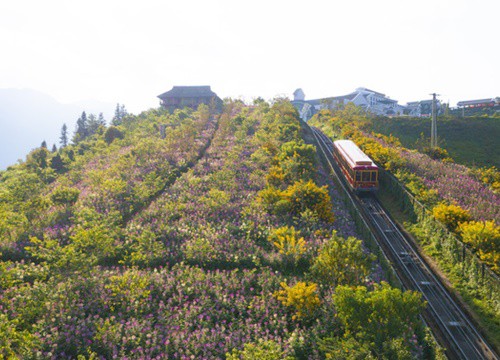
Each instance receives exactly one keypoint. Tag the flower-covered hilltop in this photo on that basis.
(192, 236)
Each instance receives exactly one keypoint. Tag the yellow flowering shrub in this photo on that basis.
(288, 242)
(484, 236)
(307, 195)
(301, 297)
(450, 215)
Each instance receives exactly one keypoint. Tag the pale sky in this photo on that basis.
(131, 51)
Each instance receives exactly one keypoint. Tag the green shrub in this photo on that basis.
(342, 262)
(345, 348)
(65, 196)
(262, 350)
(112, 133)
(379, 316)
(14, 343)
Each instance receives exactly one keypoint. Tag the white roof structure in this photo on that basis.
(372, 101)
(352, 153)
(476, 102)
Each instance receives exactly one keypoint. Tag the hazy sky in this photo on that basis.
(131, 51)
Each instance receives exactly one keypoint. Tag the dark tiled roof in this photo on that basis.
(188, 91)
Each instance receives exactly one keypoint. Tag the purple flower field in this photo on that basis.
(455, 184)
(165, 253)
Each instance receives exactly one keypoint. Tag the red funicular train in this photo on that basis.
(359, 170)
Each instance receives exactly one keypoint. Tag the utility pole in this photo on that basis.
(434, 122)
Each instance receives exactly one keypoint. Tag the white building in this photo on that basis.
(372, 101)
(421, 108)
(376, 102)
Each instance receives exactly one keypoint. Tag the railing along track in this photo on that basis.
(447, 320)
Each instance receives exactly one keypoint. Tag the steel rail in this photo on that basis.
(440, 303)
(461, 336)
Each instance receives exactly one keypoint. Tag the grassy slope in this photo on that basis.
(470, 141)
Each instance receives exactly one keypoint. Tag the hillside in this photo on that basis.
(469, 141)
(220, 237)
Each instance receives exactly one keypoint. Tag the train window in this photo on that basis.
(358, 175)
(374, 176)
(366, 176)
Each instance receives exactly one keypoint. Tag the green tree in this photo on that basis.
(112, 133)
(92, 125)
(379, 316)
(100, 120)
(44, 144)
(297, 161)
(63, 139)
(38, 159)
(342, 262)
(120, 113)
(82, 131)
(57, 163)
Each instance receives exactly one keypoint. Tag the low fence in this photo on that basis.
(474, 273)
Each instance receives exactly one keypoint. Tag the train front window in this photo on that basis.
(374, 176)
(366, 176)
(358, 176)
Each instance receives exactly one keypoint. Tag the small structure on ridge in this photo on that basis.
(190, 96)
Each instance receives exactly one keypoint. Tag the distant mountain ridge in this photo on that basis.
(27, 117)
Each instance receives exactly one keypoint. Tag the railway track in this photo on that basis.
(447, 320)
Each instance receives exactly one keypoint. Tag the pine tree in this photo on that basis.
(57, 163)
(92, 125)
(82, 130)
(54, 148)
(44, 144)
(117, 118)
(100, 120)
(64, 136)
(120, 113)
(123, 111)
